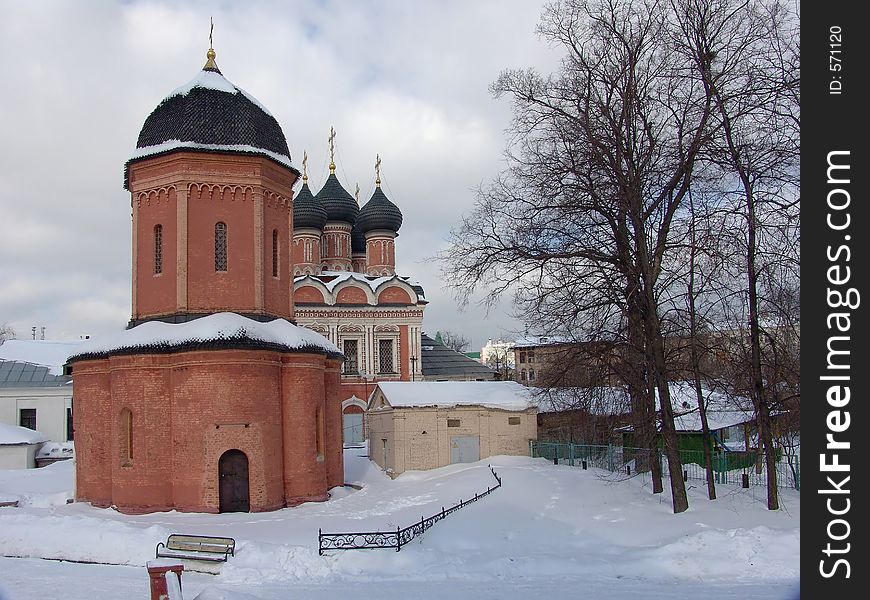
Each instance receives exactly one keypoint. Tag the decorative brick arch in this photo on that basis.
(308, 293)
(351, 295)
(394, 295)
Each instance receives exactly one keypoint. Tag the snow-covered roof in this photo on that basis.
(51, 354)
(331, 279)
(178, 145)
(533, 341)
(12, 435)
(504, 395)
(220, 327)
(722, 411)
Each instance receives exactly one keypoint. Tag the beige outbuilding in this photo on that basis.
(428, 424)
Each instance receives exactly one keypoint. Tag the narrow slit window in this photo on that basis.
(220, 246)
(275, 253)
(126, 437)
(158, 249)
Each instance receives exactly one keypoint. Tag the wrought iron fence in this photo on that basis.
(398, 538)
(728, 467)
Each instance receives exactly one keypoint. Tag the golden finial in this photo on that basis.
(304, 166)
(332, 150)
(378, 170)
(210, 64)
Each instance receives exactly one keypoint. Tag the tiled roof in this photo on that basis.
(308, 212)
(379, 213)
(211, 114)
(337, 201)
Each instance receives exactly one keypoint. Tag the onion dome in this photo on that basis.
(357, 240)
(379, 213)
(307, 211)
(337, 201)
(210, 114)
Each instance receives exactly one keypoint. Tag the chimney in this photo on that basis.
(33, 330)
(42, 332)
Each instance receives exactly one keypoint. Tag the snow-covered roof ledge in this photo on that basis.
(12, 435)
(221, 330)
(171, 145)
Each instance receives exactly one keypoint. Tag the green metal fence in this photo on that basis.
(737, 468)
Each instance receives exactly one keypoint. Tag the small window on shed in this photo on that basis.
(513, 420)
(453, 422)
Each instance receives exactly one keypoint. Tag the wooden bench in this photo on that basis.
(196, 547)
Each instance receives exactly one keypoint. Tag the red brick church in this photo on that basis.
(213, 399)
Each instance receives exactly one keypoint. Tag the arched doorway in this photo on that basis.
(233, 475)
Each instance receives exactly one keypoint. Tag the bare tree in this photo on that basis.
(6, 333)
(454, 341)
(601, 159)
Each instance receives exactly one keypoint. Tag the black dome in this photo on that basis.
(357, 240)
(337, 201)
(210, 114)
(307, 212)
(379, 213)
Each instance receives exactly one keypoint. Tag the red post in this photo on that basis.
(158, 570)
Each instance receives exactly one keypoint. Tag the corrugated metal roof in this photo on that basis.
(440, 361)
(15, 373)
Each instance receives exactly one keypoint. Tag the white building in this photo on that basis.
(34, 392)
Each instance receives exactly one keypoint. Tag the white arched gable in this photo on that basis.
(351, 282)
(395, 281)
(308, 281)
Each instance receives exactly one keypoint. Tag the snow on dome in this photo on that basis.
(11, 435)
(504, 395)
(213, 80)
(217, 327)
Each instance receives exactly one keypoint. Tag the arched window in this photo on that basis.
(220, 246)
(523, 375)
(531, 374)
(126, 437)
(275, 253)
(318, 417)
(158, 249)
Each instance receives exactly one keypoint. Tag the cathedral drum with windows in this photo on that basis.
(213, 399)
(346, 288)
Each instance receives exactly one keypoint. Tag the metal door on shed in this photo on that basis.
(464, 449)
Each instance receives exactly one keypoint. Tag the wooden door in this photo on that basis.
(233, 473)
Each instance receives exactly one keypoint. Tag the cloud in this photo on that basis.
(406, 80)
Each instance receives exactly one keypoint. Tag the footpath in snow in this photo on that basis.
(555, 527)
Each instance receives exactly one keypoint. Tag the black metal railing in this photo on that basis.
(398, 538)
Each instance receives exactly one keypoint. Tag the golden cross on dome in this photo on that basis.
(332, 150)
(304, 166)
(378, 170)
(210, 64)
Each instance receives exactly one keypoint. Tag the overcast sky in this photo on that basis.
(406, 80)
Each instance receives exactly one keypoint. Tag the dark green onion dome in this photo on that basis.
(307, 211)
(357, 240)
(379, 213)
(210, 114)
(337, 201)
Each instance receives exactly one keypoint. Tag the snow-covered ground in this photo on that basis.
(550, 531)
